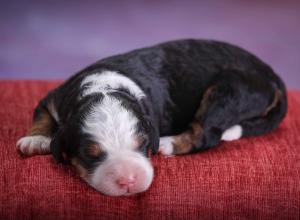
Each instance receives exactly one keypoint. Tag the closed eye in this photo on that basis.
(91, 155)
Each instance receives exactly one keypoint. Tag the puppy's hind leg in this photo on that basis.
(203, 132)
(230, 109)
(216, 119)
(39, 136)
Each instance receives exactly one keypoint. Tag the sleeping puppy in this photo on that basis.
(109, 117)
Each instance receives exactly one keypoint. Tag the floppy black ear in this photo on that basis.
(57, 146)
(148, 114)
(154, 138)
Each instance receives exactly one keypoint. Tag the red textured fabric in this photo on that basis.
(253, 178)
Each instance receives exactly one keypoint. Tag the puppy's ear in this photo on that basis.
(154, 138)
(148, 114)
(57, 146)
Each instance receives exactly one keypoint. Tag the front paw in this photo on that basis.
(166, 146)
(32, 145)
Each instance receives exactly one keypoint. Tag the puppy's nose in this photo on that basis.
(127, 182)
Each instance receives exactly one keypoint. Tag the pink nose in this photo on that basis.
(126, 182)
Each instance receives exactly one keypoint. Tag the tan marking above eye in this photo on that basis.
(94, 150)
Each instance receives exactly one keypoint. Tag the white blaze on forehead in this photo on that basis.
(111, 125)
(110, 80)
(115, 129)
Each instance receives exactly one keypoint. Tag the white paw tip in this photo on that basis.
(232, 133)
(37, 144)
(166, 146)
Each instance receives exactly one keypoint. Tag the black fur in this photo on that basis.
(174, 77)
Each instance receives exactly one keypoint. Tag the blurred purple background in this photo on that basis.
(54, 39)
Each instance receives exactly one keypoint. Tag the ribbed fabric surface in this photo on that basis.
(253, 178)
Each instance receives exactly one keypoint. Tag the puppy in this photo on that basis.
(108, 118)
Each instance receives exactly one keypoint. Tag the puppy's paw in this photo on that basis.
(31, 145)
(166, 146)
(233, 133)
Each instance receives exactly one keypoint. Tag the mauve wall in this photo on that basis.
(53, 39)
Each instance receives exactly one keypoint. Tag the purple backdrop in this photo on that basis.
(53, 39)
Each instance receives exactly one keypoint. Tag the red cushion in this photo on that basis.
(253, 178)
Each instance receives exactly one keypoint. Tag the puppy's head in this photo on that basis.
(108, 140)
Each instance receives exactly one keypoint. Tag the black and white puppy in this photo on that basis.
(193, 94)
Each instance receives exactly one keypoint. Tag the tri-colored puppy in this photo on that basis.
(193, 94)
